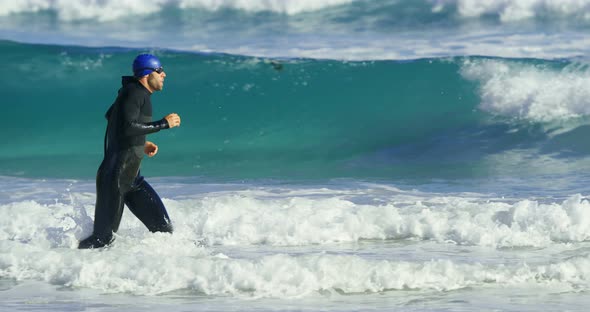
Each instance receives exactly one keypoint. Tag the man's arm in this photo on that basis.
(134, 127)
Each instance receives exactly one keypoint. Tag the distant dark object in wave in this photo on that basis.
(276, 65)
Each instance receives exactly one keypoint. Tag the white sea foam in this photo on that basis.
(108, 10)
(38, 240)
(81, 10)
(322, 36)
(239, 219)
(509, 10)
(159, 264)
(246, 218)
(526, 91)
(506, 10)
(280, 6)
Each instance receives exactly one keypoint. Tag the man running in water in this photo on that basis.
(118, 180)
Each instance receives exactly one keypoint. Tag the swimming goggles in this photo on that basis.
(158, 70)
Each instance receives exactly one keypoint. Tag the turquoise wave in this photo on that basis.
(245, 117)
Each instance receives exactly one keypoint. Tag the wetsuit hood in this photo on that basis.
(127, 79)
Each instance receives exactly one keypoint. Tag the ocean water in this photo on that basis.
(336, 155)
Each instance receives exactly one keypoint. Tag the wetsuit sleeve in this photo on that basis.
(134, 126)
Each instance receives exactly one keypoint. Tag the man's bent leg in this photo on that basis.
(147, 206)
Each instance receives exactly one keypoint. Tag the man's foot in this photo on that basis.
(94, 241)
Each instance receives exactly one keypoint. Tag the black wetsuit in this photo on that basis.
(118, 180)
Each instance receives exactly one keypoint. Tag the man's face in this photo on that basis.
(156, 81)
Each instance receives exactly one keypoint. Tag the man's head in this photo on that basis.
(148, 70)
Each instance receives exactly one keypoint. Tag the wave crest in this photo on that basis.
(109, 10)
(505, 10)
(531, 91)
(510, 11)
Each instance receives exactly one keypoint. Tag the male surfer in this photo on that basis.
(118, 180)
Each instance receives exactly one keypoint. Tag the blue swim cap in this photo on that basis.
(144, 64)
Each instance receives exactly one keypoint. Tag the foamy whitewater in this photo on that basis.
(337, 155)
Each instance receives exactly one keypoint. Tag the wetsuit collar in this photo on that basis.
(127, 79)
